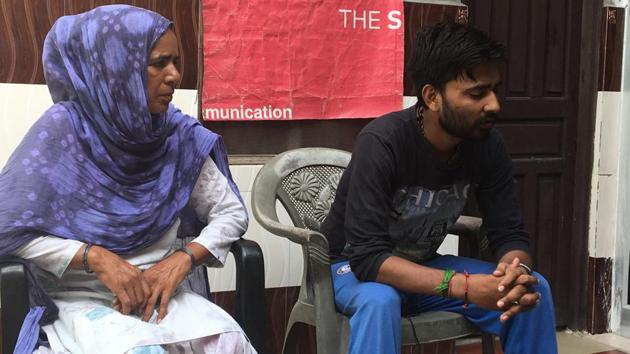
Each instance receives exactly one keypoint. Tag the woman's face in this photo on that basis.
(163, 72)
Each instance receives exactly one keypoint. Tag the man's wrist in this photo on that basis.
(457, 286)
(526, 268)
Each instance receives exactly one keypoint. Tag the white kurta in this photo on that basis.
(88, 324)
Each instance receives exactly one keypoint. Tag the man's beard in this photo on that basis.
(457, 125)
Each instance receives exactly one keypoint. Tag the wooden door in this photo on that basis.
(547, 122)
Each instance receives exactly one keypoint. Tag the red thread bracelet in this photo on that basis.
(466, 275)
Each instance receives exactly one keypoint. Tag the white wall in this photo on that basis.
(605, 176)
(620, 311)
(20, 106)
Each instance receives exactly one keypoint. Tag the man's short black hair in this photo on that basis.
(444, 51)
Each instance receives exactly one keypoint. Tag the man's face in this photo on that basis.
(163, 72)
(470, 106)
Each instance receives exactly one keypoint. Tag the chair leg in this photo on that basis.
(285, 348)
(329, 341)
(487, 343)
(14, 298)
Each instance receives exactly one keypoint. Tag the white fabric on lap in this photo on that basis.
(91, 326)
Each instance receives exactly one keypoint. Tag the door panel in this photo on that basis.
(539, 123)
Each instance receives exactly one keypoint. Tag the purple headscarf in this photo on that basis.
(97, 166)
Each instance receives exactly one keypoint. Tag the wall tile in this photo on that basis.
(592, 222)
(20, 106)
(186, 101)
(606, 227)
(244, 176)
(610, 128)
(450, 245)
(409, 101)
(223, 279)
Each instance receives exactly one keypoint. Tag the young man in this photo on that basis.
(408, 181)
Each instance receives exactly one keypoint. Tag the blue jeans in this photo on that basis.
(375, 311)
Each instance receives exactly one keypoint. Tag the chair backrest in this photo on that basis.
(308, 192)
(305, 182)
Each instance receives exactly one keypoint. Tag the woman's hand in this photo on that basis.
(163, 278)
(130, 290)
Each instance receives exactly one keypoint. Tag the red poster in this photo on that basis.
(301, 59)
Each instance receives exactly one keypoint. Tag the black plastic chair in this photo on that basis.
(250, 300)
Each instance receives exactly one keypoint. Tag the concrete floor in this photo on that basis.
(579, 343)
(569, 342)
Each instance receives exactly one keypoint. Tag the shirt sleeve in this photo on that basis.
(498, 204)
(217, 206)
(50, 253)
(368, 206)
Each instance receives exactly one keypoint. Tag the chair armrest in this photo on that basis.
(319, 290)
(13, 302)
(467, 227)
(250, 291)
(320, 276)
(296, 234)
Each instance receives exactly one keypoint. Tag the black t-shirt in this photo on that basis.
(397, 198)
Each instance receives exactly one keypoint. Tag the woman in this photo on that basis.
(93, 193)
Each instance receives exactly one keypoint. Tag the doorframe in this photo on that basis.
(589, 40)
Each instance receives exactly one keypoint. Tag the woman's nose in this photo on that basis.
(173, 76)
